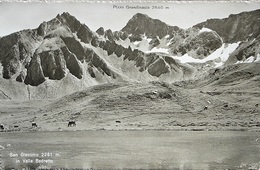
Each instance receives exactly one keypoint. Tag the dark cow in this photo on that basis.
(71, 123)
(2, 127)
(16, 128)
(118, 121)
(206, 108)
(34, 124)
(256, 105)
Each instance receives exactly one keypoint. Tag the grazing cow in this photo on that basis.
(34, 124)
(256, 105)
(206, 108)
(16, 128)
(71, 123)
(226, 105)
(2, 127)
(118, 121)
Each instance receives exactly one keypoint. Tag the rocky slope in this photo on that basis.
(236, 27)
(62, 55)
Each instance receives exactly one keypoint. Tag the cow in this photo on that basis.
(16, 128)
(118, 121)
(71, 123)
(2, 127)
(206, 108)
(34, 124)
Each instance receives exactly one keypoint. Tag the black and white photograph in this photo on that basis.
(129, 85)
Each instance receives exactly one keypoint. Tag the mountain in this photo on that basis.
(143, 24)
(176, 40)
(63, 56)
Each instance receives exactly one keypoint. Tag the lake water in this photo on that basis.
(131, 150)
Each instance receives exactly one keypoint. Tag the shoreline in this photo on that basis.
(140, 130)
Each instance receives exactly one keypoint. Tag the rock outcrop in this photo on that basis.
(35, 74)
(100, 31)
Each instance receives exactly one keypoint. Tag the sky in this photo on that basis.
(16, 16)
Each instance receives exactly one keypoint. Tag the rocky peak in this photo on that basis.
(142, 24)
(83, 32)
(109, 34)
(41, 30)
(100, 31)
(64, 20)
(70, 21)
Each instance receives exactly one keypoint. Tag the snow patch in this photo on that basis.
(223, 53)
(187, 59)
(125, 43)
(205, 30)
(136, 42)
(158, 50)
(257, 58)
(149, 39)
(144, 37)
(250, 59)
(142, 45)
(1, 70)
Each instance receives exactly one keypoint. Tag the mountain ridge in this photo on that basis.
(238, 23)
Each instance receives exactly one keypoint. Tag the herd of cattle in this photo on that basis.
(34, 125)
(73, 122)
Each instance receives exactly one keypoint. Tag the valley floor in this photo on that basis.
(129, 106)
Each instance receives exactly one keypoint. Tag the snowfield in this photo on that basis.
(219, 56)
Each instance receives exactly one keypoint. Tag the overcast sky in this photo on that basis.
(17, 16)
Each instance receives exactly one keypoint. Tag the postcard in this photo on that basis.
(129, 85)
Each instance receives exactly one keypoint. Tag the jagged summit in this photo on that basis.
(70, 21)
(100, 31)
(65, 15)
